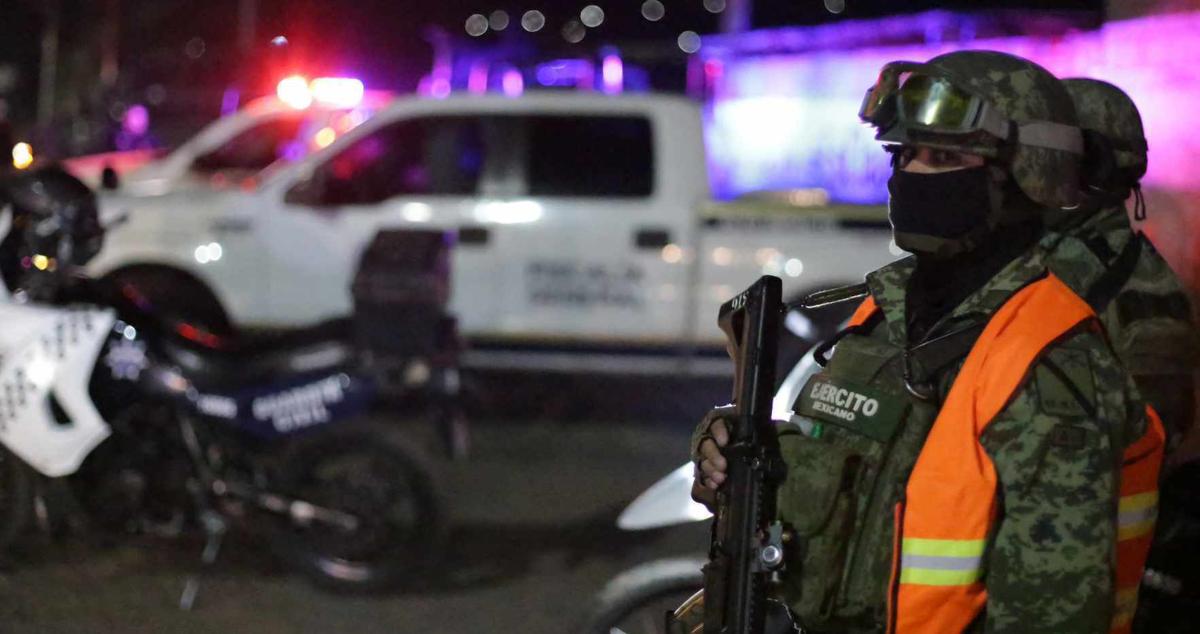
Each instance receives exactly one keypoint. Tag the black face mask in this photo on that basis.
(939, 213)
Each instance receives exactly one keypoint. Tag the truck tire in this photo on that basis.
(177, 295)
(636, 601)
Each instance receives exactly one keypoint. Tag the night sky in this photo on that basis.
(189, 47)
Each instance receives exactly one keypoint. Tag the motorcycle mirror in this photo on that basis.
(109, 179)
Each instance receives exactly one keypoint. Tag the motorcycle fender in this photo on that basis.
(50, 353)
(665, 503)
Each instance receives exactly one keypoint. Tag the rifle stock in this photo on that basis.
(746, 545)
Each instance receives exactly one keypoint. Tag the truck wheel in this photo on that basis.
(637, 600)
(177, 296)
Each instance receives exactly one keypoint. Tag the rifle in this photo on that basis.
(747, 541)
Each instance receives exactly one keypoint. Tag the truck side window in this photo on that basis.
(442, 155)
(590, 156)
(253, 149)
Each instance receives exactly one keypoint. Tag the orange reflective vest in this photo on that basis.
(950, 506)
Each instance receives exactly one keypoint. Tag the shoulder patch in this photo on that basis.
(858, 408)
(1066, 383)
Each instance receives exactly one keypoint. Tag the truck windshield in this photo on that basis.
(589, 156)
(254, 148)
(538, 155)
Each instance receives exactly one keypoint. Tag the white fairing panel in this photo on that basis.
(666, 502)
(45, 351)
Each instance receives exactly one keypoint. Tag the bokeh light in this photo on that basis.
(325, 136)
(574, 32)
(612, 74)
(340, 92)
(653, 10)
(714, 6)
(689, 42)
(793, 267)
(195, 48)
(477, 25)
(512, 83)
(592, 16)
(136, 119)
(722, 256)
(22, 155)
(533, 21)
(294, 92)
(498, 20)
(835, 6)
(672, 253)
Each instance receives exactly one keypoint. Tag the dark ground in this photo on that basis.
(533, 537)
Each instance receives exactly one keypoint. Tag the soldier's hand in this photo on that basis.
(710, 463)
(711, 466)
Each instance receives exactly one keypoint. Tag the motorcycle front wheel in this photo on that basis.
(370, 473)
(637, 600)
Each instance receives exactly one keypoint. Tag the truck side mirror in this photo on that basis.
(109, 179)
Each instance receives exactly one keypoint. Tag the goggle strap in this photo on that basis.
(1051, 135)
(993, 122)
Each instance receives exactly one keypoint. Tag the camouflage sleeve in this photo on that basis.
(1057, 451)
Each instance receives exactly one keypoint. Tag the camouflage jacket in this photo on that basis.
(1148, 317)
(1057, 449)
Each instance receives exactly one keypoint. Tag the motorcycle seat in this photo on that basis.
(222, 364)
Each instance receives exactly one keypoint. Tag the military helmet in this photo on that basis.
(1105, 109)
(992, 104)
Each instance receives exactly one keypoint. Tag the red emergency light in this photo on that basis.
(335, 92)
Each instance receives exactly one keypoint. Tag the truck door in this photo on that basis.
(226, 246)
(421, 172)
(591, 249)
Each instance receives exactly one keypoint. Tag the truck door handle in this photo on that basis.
(230, 225)
(651, 238)
(473, 235)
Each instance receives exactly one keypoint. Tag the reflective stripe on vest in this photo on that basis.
(951, 505)
(1136, 511)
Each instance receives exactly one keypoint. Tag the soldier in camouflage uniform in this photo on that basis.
(967, 199)
(1098, 254)
(1146, 314)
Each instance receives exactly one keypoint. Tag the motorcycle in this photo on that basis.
(636, 600)
(157, 426)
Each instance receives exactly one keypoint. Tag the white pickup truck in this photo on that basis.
(583, 221)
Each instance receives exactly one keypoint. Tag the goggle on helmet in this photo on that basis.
(913, 104)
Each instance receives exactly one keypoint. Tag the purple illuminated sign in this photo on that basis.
(512, 83)
(612, 73)
(577, 73)
(783, 120)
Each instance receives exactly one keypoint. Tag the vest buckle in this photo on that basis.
(921, 390)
